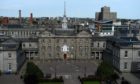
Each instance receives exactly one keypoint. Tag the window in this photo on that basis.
(58, 48)
(49, 48)
(9, 66)
(126, 54)
(139, 53)
(86, 49)
(98, 45)
(125, 65)
(49, 41)
(43, 40)
(30, 45)
(93, 44)
(23, 45)
(57, 40)
(65, 41)
(103, 44)
(43, 48)
(9, 55)
(49, 54)
(138, 66)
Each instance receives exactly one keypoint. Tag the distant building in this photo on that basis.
(5, 21)
(105, 14)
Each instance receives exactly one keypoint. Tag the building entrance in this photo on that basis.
(65, 56)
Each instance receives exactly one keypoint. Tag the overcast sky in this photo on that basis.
(75, 8)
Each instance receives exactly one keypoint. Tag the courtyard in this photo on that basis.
(68, 68)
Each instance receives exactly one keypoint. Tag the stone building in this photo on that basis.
(65, 44)
(11, 56)
(123, 54)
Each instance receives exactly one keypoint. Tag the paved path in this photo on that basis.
(70, 79)
(10, 79)
(130, 77)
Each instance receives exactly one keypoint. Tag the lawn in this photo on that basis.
(91, 82)
(51, 83)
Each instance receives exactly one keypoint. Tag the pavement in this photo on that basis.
(69, 70)
(60, 68)
(130, 77)
(10, 79)
(71, 79)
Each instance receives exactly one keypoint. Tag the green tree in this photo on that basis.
(32, 69)
(33, 74)
(0, 72)
(105, 70)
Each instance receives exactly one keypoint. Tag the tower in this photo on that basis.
(64, 21)
(20, 20)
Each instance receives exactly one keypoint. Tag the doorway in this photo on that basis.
(65, 56)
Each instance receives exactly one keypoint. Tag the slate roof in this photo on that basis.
(9, 44)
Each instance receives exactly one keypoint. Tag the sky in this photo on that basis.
(129, 9)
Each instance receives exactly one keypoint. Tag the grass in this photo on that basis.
(51, 83)
(91, 82)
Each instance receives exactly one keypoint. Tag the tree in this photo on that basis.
(33, 74)
(31, 79)
(32, 69)
(105, 70)
(0, 72)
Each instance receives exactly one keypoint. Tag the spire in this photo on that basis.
(64, 21)
(64, 9)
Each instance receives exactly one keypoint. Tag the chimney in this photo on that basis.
(20, 20)
(5, 21)
(31, 19)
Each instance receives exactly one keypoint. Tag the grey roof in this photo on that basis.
(124, 42)
(27, 39)
(129, 38)
(64, 32)
(124, 32)
(97, 38)
(13, 26)
(4, 38)
(9, 44)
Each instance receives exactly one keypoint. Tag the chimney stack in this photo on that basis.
(31, 19)
(20, 20)
(5, 21)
